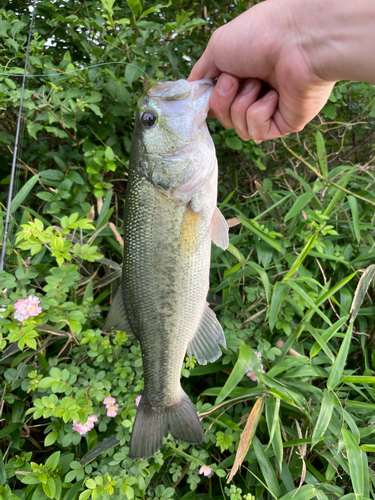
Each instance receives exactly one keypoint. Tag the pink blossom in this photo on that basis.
(250, 372)
(85, 428)
(137, 400)
(25, 308)
(112, 410)
(109, 401)
(206, 471)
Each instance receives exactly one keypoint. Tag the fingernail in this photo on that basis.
(247, 88)
(258, 142)
(268, 96)
(225, 84)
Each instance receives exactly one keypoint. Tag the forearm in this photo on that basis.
(341, 38)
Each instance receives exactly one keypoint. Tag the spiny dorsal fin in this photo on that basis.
(219, 230)
(205, 344)
(117, 318)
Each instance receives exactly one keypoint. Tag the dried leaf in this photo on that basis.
(118, 237)
(247, 436)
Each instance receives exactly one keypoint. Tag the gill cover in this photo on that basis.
(179, 153)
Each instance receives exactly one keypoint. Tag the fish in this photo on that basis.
(171, 216)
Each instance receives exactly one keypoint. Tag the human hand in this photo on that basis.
(272, 43)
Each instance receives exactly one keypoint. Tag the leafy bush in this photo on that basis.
(292, 397)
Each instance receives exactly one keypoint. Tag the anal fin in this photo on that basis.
(205, 344)
(219, 230)
(117, 318)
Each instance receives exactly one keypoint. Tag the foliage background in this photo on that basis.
(291, 286)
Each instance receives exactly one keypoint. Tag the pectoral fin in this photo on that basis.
(205, 344)
(117, 318)
(219, 230)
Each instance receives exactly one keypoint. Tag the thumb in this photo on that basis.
(205, 67)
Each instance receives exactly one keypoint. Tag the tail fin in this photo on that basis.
(151, 426)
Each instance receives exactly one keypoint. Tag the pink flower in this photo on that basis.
(112, 410)
(206, 471)
(85, 428)
(25, 308)
(109, 401)
(137, 400)
(250, 372)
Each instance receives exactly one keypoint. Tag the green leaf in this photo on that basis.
(239, 370)
(3, 475)
(53, 461)
(259, 233)
(338, 367)
(50, 488)
(324, 418)
(73, 492)
(306, 492)
(266, 468)
(354, 453)
(354, 209)
(327, 335)
(301, 292)
(302, 256)
(274, 431)
(234, 143)
(299, 204)
(135, 6)
(132, 73)
(23, 193)
(278, 296)
(321, 152)
(50, 438)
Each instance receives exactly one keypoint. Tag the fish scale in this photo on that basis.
(170, 219)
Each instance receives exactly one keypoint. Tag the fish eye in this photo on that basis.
(149, 118)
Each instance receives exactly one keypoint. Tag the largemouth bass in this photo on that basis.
(170, 219)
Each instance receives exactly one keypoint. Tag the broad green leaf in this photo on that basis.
(340, 362)
(306, 492)
(53, 461)
(354, 209)
(266, 468)
(324, 418)
(239, 370)
(23, 193)
(299, 204)
(132, 73)
(354, 453)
